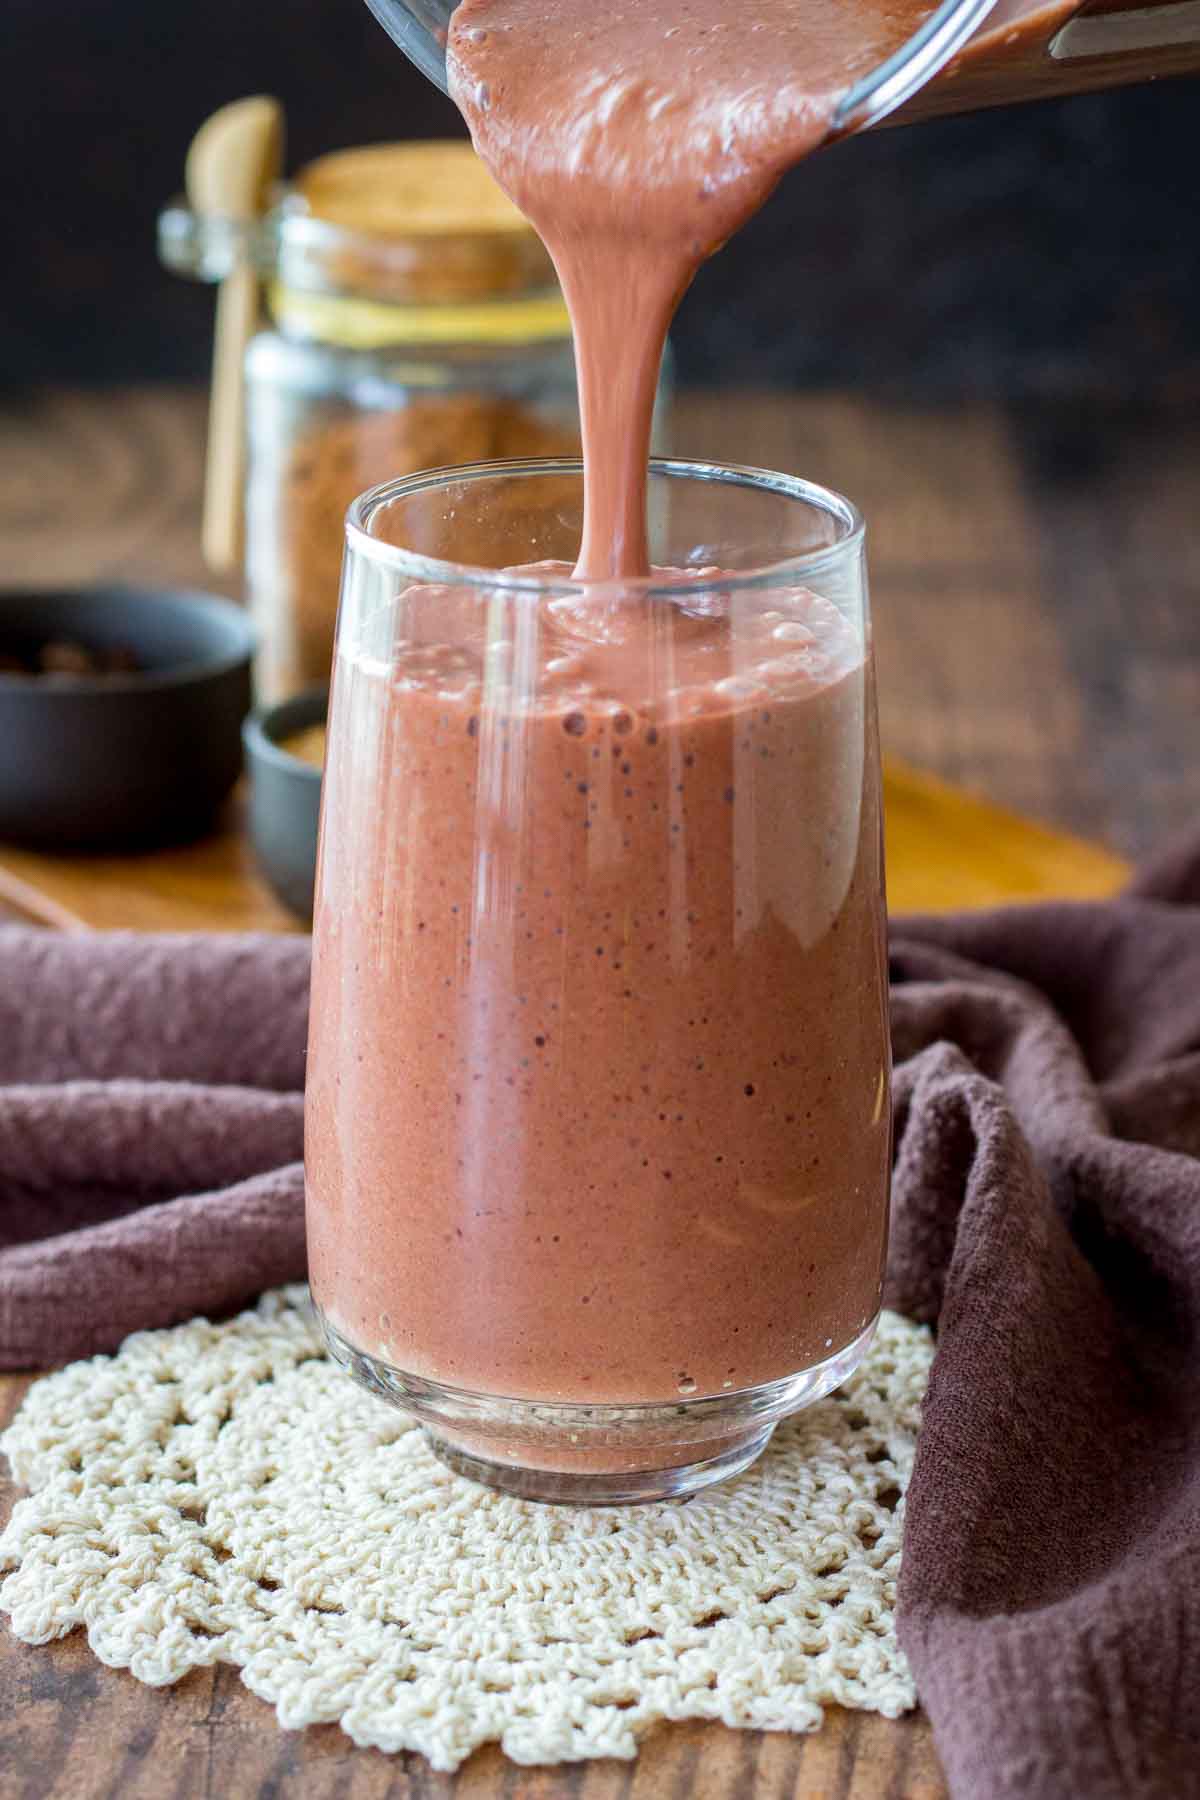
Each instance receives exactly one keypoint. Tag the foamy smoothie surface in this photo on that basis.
(688, 646)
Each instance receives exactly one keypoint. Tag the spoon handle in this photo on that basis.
(237, 314)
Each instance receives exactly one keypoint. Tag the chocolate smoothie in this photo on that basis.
(598, 1081)
(598, 1100)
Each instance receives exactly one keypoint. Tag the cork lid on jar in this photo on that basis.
(431, 189)
(417, 224)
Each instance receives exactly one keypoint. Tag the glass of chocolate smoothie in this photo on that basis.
(598, 1122)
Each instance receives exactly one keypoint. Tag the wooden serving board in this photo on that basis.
(72, 1730)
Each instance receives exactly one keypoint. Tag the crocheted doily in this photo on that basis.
(224, 1493)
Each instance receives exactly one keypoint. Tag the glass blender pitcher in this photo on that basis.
(967, 53)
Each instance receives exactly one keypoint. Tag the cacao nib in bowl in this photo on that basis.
(120, 714)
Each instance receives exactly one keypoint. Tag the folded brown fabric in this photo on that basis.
(1047, 1220)
(150, 1132)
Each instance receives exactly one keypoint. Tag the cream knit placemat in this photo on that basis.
(223, 1493)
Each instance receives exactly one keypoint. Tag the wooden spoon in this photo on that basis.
(21, 902)
(234, 160)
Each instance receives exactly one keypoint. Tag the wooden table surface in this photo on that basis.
(1035, 574)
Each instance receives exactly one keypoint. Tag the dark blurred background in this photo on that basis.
(1042, 249)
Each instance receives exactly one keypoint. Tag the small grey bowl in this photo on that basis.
(113, 762)
(285, 798)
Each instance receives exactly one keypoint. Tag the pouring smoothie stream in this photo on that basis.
(637, 139)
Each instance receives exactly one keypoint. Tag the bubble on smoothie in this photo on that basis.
(738, 687)
(686, 1384)
(780, 668)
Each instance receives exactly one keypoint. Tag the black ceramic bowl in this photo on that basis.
(285, 798)
(114, 761)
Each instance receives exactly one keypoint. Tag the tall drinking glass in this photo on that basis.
(598, 1125)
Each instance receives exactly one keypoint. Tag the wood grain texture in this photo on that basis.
(1035, 575)
(1034, 640)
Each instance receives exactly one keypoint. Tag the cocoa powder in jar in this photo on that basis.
(391, 248)
(339, 457)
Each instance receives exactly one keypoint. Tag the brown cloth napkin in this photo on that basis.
(151, 1130)
(1047, 1219)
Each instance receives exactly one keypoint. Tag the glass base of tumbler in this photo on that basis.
(632, 1487)
(581, 1454)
